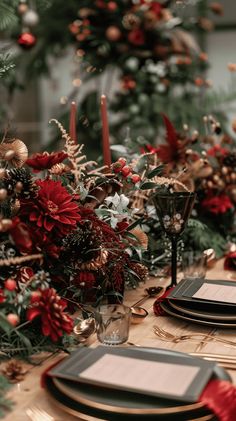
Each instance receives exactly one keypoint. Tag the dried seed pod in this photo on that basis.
(15, 152)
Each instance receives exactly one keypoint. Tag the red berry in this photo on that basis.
(13, 319)
(135, 178)
(122, 161)
(10, 284)
(111, 5)
(116, 167)
(125, 171)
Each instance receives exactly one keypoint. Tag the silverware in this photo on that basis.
(167, 336)
(222, 360)
(84, 329)
(36, 414)
(152, 292)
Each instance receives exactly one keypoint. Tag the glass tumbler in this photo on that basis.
(113, 321)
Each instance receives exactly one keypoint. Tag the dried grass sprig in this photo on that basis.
(74, 153)
(20, 259)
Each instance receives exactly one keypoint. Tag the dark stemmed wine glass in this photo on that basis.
(173, 210)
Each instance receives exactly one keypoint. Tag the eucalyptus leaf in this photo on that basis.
(148, 185)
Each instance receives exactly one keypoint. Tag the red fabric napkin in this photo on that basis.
(158, 311)
(230, 264)
(219, 395)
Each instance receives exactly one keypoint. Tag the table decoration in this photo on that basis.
(65, 239)
(92, 400)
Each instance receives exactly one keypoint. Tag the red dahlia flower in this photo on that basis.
(50, 307)
(53, 210)
(45, 160)
(217, 204)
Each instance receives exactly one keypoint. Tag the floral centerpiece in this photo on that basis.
(64, 240)
(204, 163)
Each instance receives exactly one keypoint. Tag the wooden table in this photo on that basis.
(29, 393)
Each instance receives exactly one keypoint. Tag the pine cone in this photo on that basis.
(21, 176)
(140, 270)
(230, 160)
(83, 244)
(14, 371)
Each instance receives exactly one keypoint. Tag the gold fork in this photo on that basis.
(167, 336)
(36, 414)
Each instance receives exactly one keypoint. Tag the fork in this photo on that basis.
(167, 336)
(36, 414)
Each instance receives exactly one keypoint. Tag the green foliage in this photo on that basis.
(199, 236)
(5, 404)
(7, 13)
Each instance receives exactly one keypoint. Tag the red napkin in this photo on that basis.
(158, 311)
(230, 264)
(219, 395)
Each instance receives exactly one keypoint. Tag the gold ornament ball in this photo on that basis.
(22, 8)
(113, 33)
(9, 155)
(6, 224)
(19, 186)
(2, 173)
(3, 194)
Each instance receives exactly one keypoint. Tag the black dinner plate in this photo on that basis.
(180, 314)
(86, 401)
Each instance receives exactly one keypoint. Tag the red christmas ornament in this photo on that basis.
(26, 40)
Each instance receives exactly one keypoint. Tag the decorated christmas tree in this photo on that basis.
(144, 55)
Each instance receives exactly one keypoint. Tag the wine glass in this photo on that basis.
(173, 210)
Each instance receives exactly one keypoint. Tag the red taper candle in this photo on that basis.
(105, 133)
(72, 129)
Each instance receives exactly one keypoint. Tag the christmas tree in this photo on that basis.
(144, 55)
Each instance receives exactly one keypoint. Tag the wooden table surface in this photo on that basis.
(29, 393)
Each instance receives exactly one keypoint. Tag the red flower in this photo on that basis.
(136, 37)
(50, 307)
(216, 204)
(21, 236)
(30, 239)
(45, 160)
(53, 210)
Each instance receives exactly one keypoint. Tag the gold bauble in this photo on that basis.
(113, 33)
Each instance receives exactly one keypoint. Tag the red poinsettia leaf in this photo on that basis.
(171, 135)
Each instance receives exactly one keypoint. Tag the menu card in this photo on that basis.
(216, 292)
(161, 374)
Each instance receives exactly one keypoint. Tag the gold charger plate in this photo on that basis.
(176, 313)
(203, 314)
